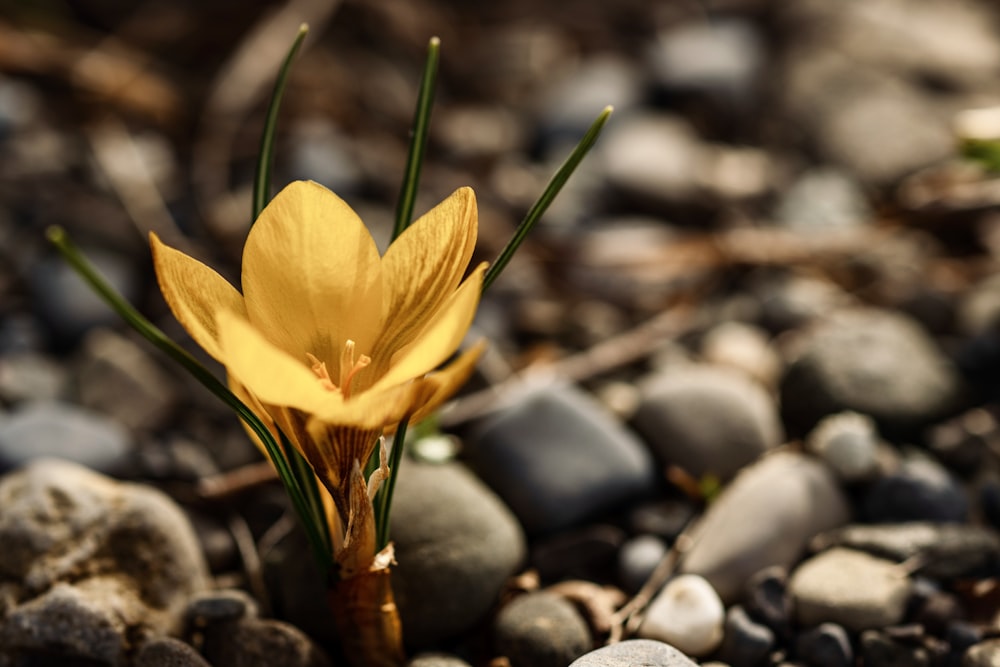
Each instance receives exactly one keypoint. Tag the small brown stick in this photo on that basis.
(233, 482)
(251, 561)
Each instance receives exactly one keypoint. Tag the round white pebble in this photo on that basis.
(687, 614)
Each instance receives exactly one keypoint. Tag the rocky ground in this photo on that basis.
(740, 400)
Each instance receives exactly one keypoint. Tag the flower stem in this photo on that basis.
(383, 500)
(551, 190)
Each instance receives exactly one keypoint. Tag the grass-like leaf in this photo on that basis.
(265, 159)
(551, 190)
(383, 499)
(418, 140)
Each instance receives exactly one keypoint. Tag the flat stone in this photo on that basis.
(456, 544)
(556, 457)
(826, 645)
(169, 652)
(436, 659)
(258, 641)
(687, 614)
(849, 588)
(921, 489)
(764, 517)
(849, 443)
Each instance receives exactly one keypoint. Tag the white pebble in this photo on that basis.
(687, 614)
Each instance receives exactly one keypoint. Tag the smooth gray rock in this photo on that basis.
(30, 376)
(456, 545)
(541, 629)
(849, 588)
(823, 199)
(745, 642)
(634, 652)
(764, 517)
(556, 457)
(848, 442)
(944, 550)
(983, 654)
(707, 420)
(436, 660)
(54, 429)
(826, 645)
(875, 362)
(92, 562)
(637, 559)
(878, 649)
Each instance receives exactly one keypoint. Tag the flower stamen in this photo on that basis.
(349, 367)
(319, 368)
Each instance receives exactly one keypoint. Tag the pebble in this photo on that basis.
(456, 545)
(707, 420)
(723, 59)
(826, 645)
(119, 378)
(320, 152)
(823, 199)
(789, 302)
(983, 654)
(110, 560)
(632, 652)
(67, 305)
(663, 518)
(436, 659)
(768, 601)
(557, 458)
(30, 376)
(764, 517)
(745, 348)
(219, 606)
(257, 641)
(875, 362)
(56, 429)
(168, 652)
(637, 559)
(848, 442)
(960, 637)
(541, 629)
(880, 650)
(945, 551)
(963, 442)
(920, 490)
(687, 614)
(850, 588)
(745, 643)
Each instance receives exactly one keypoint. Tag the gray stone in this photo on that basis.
(633, 652)
(257, 641)
(456, 545)
(875, 362)
(764, 517)
(55, 429)
(823, 199)
(850, 588)
(983, 654)
(944, 550)
(745, 348)
(93, 563)
(827, 645)
(687, 614)
(219, 606)
(119, 378)
(168, 652)
(30, 376)
(920, 490)
(848, 442)
(880, 650)
(638, 558)
(768, 602)
(556, 457)
(707, 420)
(541, 630)
(746, 643)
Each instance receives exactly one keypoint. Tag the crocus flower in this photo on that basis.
(331, 342)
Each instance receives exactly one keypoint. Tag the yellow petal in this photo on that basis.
(255, 406)
(422, 268)
(268, 373)
(444, 383)
(311, 276)
(440, 337)
(195, 293)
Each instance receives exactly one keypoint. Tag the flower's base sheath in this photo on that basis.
(367, 618)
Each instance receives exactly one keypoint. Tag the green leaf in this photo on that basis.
(265, 159)
(548, 195)
(418, 140)
(383, 499)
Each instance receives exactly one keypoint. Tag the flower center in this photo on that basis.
(349, 367)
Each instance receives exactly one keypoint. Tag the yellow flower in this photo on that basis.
(328, 341)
